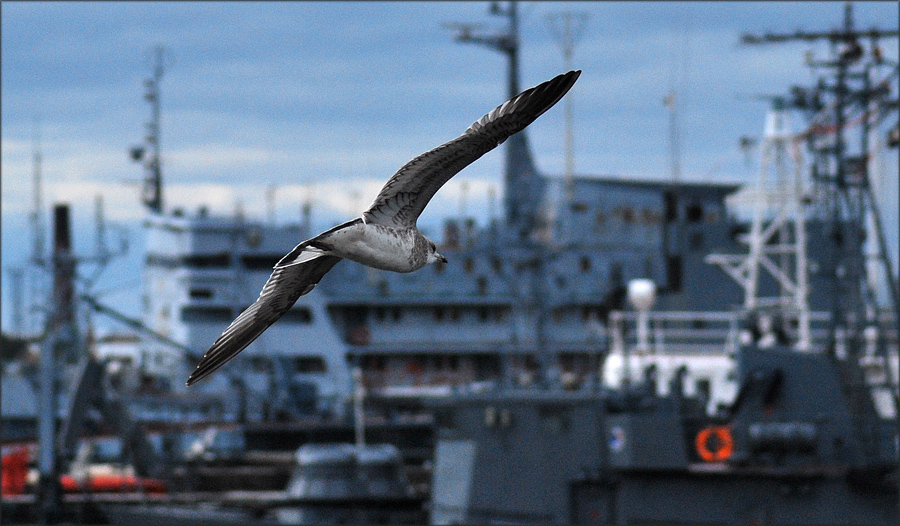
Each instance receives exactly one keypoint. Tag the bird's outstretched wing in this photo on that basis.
(295, 275)
(405, 194)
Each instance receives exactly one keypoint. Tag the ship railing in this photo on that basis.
(694, 332)
(674, 332)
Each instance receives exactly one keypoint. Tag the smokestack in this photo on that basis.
(62, 239)
(63, 267)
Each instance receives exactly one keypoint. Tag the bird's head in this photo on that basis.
(432, 256)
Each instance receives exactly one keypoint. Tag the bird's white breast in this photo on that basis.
(377, 246)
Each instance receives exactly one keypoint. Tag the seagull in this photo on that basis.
(385, 236)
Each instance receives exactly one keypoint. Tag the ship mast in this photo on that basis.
(38, 264)
(841, 174)
(151, 191)
(777, 239)
(523, 184)
(852, 96)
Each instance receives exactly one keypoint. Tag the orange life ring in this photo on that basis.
(723, 447)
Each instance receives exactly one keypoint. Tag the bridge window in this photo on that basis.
(694, 213)
(482, 285)
(211, 261)
(310, 364)
(200, 294)
(260, 261)
(585, 264)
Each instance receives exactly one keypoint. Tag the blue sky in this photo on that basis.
(327, 100)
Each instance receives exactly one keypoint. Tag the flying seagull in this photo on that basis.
(385, 237)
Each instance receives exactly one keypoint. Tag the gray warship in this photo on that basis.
(581, 360)
(810, 434)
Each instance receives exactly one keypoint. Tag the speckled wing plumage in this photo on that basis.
(405, 194)
(295, 275)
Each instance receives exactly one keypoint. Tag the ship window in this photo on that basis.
(439, 268)
(439, 313)
(628, 214)
(298, 315)
(310, 364)
(454, 313)
(694, 213)
(482, 285)
(201, 294)
(673, 273)
(379, 313)
(396, 314)
(497, 263)
(260, 262)
(211, 261)
(585, 264)
(469, 265)
(482, 314)
(579, 207)
(600, 217)
(206, 314)
(671, 205)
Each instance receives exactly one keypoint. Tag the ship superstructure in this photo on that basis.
(201, 272)
(526, 298)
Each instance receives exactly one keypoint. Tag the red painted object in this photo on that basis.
(113, 484)
(14, 472)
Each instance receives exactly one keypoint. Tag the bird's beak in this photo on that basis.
(440, 258)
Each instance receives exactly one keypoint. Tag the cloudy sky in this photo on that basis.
(326, 100)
